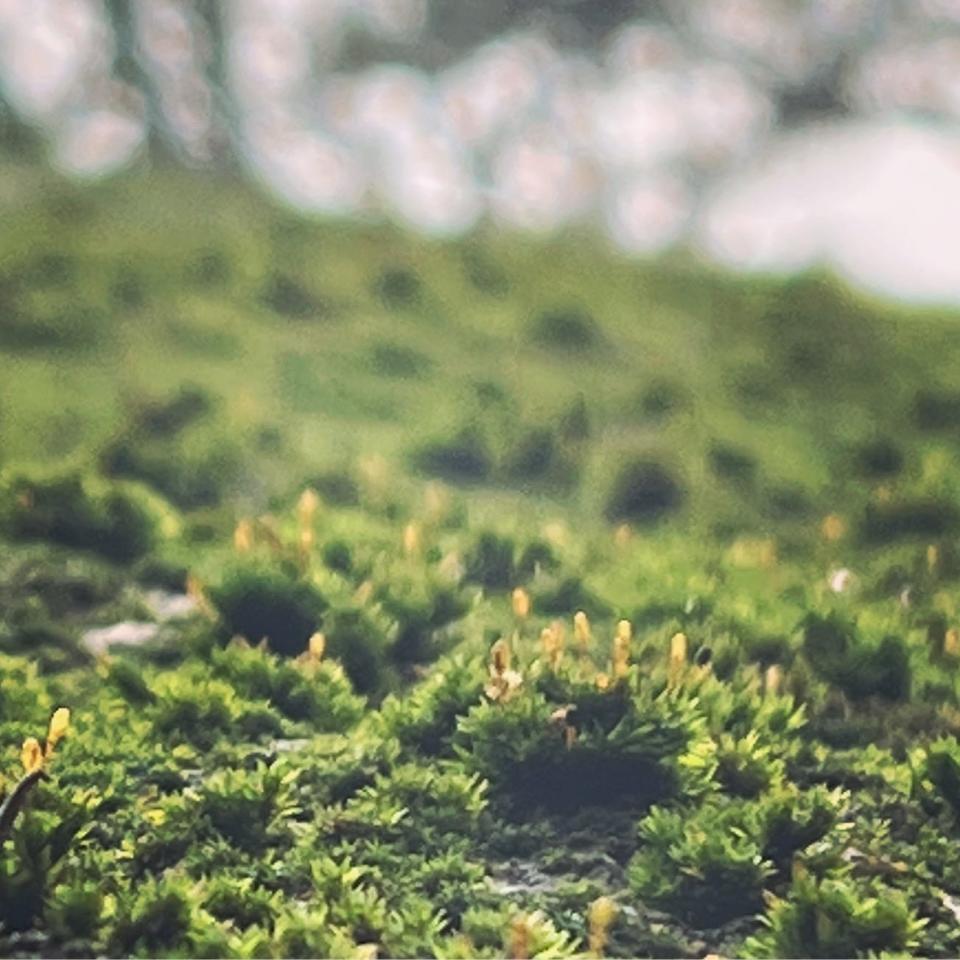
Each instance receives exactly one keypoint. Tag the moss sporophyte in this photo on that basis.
(504, 682)
(621, 649)
(34, 759)
(601, 915)
(581, 631)
(520, 601)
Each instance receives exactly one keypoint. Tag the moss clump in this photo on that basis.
(286, 296)
(661, 400)
(836, 653)
(925, 517)
(566, 329)
(624, 746)
(195, 710)
(537, 460)
(317, 693)
(425, 719)
(260, 600)
(390, 359)
(936, 409)
(419, 609)
(463, 458)
(243, 805)
(190, 470)
(490, 561)
(878, 459)
(360, 639)
(707, 866)
(153, 919)
(838, 916)
(732, 464)
(398, 288)
(116, 520)
(710, 864)
(643, 491)
(168, 416)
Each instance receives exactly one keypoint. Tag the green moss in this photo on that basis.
(118, 521)
(217, 799)
(836, 917)
(259, 600)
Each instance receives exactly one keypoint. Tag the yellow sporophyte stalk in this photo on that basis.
(500, 658)
(951, 642)
(198, 595)
(518, 947)
(307, 507)
(772, 679)
(581, 631)
(59, 724)
(316, 646)
(833, 528)
(520, 601)
(436, 502)
(243, 536)
(551, 642)
(503, 681)
(621, 658)
(307, 539)
(601, 915)
(933, 557)
(411, 539)
(31, 755)
(621, 648)
(677, 659)
(363, 593)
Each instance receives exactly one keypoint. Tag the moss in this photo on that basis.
(463, 458)
(259, 600)
(360, 641)
(168, 416)
(732, 464)
(398, 288)
(215, 799)
(396, 360)
(490, 561)
(566, 329)
(119, 521)
(897, 520)
(190, 475)
(643, 491)
(287, 297)
(878, 459)
(936, 409)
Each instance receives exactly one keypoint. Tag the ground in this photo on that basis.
(470, 598)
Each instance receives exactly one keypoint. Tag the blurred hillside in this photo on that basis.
(312, 669)
(186, 332)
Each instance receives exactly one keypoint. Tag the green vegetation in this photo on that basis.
(476, 599)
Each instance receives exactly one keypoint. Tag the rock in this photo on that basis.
(170, 606)
(520, 876)
(127, 632)
(289, 745)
